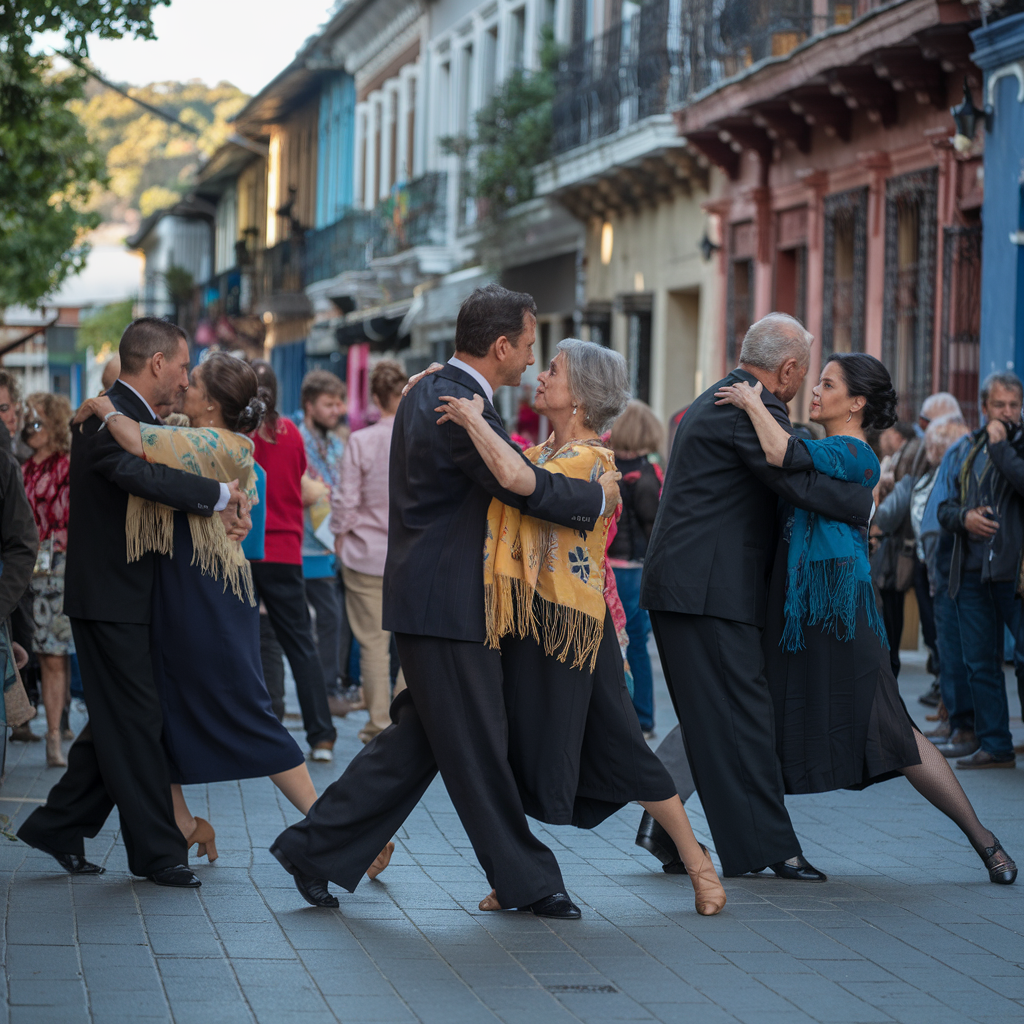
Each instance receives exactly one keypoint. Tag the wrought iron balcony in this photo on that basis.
(415, 214)
(671, 50)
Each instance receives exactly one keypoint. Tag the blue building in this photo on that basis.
(999, 52)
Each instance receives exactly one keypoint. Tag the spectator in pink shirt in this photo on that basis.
(359, 521)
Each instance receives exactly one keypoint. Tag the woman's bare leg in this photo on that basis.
(671, 816)
(182, 815)
(54, 672)
(297, 786)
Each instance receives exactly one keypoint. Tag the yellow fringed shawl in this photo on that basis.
(220, 455)
(547, 580)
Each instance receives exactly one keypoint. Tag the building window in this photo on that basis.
(791, 263)
(740, 291)
(639, 341)
(961, 316)
(410, 132)
(845, 260)
(490, 63)
(517, 43)
(908, 298)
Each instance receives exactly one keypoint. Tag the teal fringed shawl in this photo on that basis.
(828, 575)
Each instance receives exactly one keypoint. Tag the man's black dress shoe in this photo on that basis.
(654, 839)
(312, 890)
(557, 905)
(72, 863)
(797, 869)
(177, 875)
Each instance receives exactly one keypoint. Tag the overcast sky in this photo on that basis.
(245, 42)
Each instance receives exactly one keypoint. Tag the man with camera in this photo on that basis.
(985, 514)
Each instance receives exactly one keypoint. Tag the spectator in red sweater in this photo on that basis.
(279, 449)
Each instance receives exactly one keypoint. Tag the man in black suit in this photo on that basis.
(705, 584)
(451, 717)
(118, 759)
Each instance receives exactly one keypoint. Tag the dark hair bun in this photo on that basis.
(866, 377)
(250, 418)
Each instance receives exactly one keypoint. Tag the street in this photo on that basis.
(907, 929)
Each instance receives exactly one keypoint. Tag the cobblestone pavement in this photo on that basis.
(907, 929)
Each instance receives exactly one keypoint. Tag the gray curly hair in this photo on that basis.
(598, 381)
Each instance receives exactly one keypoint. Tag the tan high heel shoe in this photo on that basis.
(54, 754)
(708, 894)
(490, 902)
(204, 835)
(382, 861)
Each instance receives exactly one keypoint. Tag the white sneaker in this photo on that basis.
(322, 752)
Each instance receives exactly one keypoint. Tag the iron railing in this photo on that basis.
(674, 49)
(414, 215)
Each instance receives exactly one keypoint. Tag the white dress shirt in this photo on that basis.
(225, 492)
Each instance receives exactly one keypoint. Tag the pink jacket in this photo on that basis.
(359, 507)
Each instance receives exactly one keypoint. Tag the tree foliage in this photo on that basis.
(47, 165)
(150, 162)
(102, 330)
(512, 135)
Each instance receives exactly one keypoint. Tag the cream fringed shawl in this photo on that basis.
(545, 580)
(220, 455)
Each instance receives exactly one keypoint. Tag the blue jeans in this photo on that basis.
(954, 683)
(638, 626)
(982, 608)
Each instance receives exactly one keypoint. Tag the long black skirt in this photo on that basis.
(575, 744)
(840, 722)
(205, 642)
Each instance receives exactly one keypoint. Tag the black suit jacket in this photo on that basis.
(99, 582)
(439, 491)
(714, 535)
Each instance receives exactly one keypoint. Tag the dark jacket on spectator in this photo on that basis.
(19, 539)
(640, 489)
(993, 474)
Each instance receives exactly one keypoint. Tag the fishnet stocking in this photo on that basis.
(935, 781)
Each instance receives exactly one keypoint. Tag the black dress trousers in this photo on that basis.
(715, 673)
(117, 758)
(451, 719)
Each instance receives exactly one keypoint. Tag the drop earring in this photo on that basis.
(574, 410)
(850, 417)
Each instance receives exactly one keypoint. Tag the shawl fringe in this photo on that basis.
(150, 527)
(513, 606)
(828, 592)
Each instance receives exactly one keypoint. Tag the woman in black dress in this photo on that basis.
(840, 720)
(218, 720)
(574, 741)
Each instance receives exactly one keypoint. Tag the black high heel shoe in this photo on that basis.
(654, 839)
(1001, 869)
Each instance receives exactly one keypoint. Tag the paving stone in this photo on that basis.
(906, 930)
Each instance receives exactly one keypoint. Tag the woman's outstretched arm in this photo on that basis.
(774, 440)
(511, 470)
(123, 429)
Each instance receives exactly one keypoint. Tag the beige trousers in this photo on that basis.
(364, 599)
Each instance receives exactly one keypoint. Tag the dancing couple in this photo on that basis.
(782, 686)
(163, 613)
(494, 588)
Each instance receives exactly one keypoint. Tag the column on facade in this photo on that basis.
(816, 183)
(877, 164)
(360, 147)
(764, 265)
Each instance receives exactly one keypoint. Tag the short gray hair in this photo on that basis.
(942, 403)
(1005, 379)
(598, 381)
(774, 339)
(941, 434)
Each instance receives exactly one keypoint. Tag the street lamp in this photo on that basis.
(966, 118)
(707, 247)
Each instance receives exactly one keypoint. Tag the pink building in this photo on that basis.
(846, 203)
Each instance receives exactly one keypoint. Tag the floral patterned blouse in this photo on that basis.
(46, 484)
